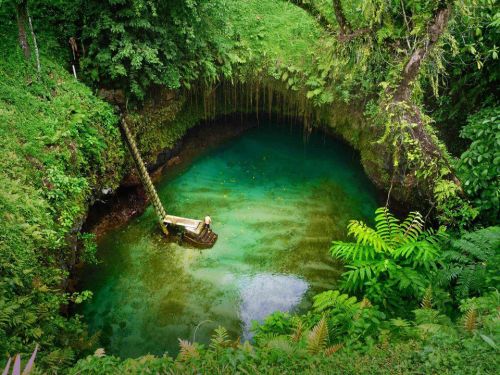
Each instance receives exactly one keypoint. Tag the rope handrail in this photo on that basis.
(143, 174)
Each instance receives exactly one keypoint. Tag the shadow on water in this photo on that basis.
(277, 203)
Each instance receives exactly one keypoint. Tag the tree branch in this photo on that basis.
(346, 33)
(345, 27)
(35, 45)
(313, 11)
(434, 30)
(22, 18)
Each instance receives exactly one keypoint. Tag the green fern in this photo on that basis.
(298, 331)
(220, 339)
(427, 299)
(281, 344)
(246, 347)
(399, 323)
(471, 263)
(332, 299)
(398, 256)
(59, 358)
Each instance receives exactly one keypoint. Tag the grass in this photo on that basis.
(275, 30)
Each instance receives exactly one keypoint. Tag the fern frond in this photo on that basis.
(400, 323)
(220, 338)
(464, 281)
(431, 316)
(262, 338)
(387, 225)
(480, 244)
(333, 349)
(454, 256)
(317, 338)
(409, 279)
(365, 235)
(59, 358)
(365, 303)
(281, 344)
(361, 270)
(246, 347)
(332, 299)
(412, 227)
(352, 251)
(470, 320)
(298, 331)
(419, 252)
(427, 299)
(188, 350)
(430, 328)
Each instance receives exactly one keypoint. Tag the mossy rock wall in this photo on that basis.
(167, 115)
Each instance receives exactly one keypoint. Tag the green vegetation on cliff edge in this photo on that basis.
(382, 74)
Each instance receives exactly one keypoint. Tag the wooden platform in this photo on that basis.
(191, 225)
(192, 231)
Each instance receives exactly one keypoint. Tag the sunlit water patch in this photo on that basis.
(276, 202)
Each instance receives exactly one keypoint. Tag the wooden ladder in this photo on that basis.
(144, 176)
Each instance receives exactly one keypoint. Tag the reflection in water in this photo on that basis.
(263, 294)
(276, 203)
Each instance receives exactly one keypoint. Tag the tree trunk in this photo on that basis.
(434, 31)
(345, 27)
(407, 112)
(22, 20)
(35, 44)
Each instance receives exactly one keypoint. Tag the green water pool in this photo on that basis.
(276, 202)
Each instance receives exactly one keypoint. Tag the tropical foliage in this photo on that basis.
(137, 44)
(413, 299)
(392, 262)
(470, 264)
(59, 147)
(429, 343)
(479, 165)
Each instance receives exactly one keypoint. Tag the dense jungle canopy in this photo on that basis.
(411, 85)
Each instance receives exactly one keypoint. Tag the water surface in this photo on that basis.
(276, 203)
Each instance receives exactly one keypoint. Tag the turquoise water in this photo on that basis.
(276, 202)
